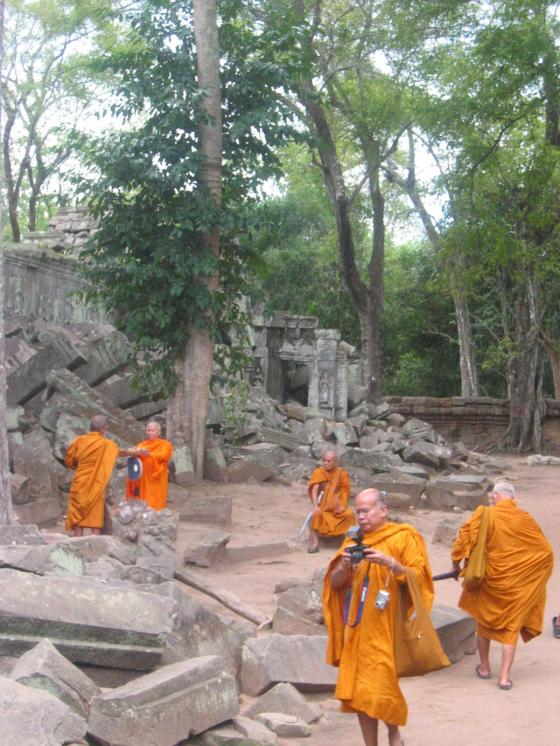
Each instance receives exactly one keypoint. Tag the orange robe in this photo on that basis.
(512, 596)
(367, 679)
(93, 456)
(336, 487)
(152, 485)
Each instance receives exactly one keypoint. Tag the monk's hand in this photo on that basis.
(338, 510)
(377, 558)
(316, 510)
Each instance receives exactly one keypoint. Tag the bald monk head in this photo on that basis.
(371, 509)
(329, 460)
(98, 424)
(153, 430)
(502, 491)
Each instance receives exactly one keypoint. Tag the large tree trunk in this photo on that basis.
(553, 352)
(189, 408)
(524, 432)
(6, 514)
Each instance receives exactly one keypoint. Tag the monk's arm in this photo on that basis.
(463, 544)
(341, 573)
(344, 488)
(379, 558)
(313, 494)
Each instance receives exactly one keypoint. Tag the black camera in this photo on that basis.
(356, 550)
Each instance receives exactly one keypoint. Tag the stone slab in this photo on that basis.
(297, 659)
(216, 510)
(456, 630)
(28, 534)
(88, 621)
(30, 717)
(286, 698)
(261, 550)
(38, 512)
(43, 667)
(166, 706)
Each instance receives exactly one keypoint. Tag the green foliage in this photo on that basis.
(149, 258)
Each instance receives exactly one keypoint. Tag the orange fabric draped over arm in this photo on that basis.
(512, 596)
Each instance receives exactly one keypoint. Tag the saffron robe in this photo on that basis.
(93, 457)
(512, 596)
(152, 485)
(367, 679)
(335, 485)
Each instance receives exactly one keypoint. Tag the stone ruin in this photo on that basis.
(102, 640)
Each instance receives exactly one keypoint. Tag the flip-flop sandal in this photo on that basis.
(312, 550)
(505, 687)
(482, 675)
(556, 627)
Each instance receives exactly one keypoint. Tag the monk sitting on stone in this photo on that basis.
(329, 491)
(155, 453)
(511, 599)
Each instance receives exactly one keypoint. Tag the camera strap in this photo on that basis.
(361, 602)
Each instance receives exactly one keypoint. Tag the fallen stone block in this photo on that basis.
(445, 533)
(402, 484)
(422, 452)
(122, 628)
(216, 510)
(28, 534)
(31, 717)
(299, 610)
(456, 630)
(265, 453)
(43, 667)
(166, 706)
(244, 469)
(286, 726)
(20, 487)
(419, 429)
(241, 731)
(183, 469)
(204, 548)
(38, 511)
(106, 356)
(443, 497)
(298, 659)
(261, 550)
(41, 559)
(199, 631)
(285, 698)
(34, 459)
(215, 466)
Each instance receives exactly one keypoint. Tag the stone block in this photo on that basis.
(20, 487)
(286, 726)
(183, 468)
(38, 511)
(456, 630)
(418, 429)
(245, 468)
(43, 667)
(265, 453)
(119, 389)
(422, 452)
(34, 459)
(30, 377)
(215, 466)
(41, 559)
(259, 550)
(122, 628)
(199, 631)
(297, 659)
(399, 483)
(148, 409)
(203, 547)
(106, 356)
(31, 717)
(215, 509)
(284, 438)
(287, 699)
(445, 532)
(443, 497)
(15, 534)
(299, 610)
(166, 706)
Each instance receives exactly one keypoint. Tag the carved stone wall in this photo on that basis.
(480, 423)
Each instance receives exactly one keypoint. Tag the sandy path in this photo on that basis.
(446, 707)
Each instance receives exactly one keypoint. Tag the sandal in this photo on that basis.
(312, 550)
(505, 687)
(482, 675)
(556, 627)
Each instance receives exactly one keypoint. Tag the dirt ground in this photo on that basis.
(446, 707)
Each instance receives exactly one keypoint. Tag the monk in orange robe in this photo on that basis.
(329, 491)
(361, 636)
(93, 457)
(511, 599)
(154, 453)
